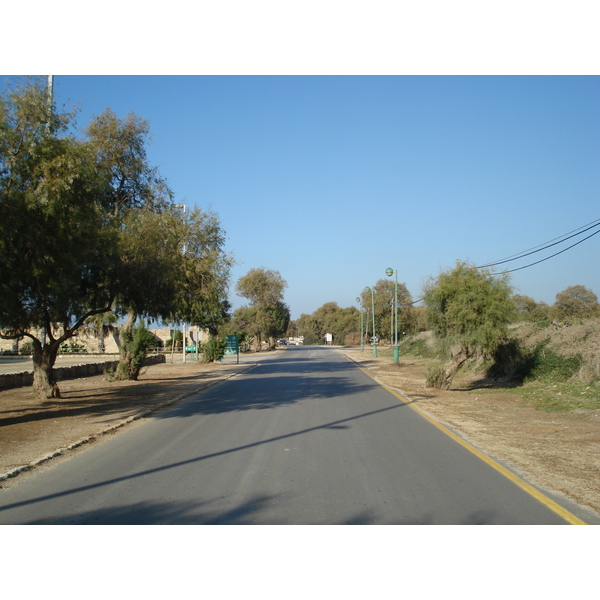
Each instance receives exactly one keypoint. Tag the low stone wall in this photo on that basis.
(25, 378)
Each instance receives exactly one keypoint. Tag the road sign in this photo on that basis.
(232, 346)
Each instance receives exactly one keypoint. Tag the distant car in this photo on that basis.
(282, 342)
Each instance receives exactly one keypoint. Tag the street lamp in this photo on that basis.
(362, 337)
(184, 250)
(368, 289)
(389, 273)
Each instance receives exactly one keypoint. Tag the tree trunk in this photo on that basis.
(257, 342)
(44, 381)
(125, 368)
(450, 369)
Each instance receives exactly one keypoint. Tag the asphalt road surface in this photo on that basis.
(303, 438)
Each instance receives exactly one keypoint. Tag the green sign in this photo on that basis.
(232, 345)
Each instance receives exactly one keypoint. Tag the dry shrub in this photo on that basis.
(580, 338)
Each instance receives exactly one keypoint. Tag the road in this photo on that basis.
(303, 438)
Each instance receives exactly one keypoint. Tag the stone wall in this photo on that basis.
(25, 378)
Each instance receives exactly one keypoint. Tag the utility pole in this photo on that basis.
(50, 101)
(183, 206)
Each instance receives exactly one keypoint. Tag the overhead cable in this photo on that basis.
(545, 246)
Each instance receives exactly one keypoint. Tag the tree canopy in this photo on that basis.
(576, 301)
(384, 302)
(469, 310)
(267, 314)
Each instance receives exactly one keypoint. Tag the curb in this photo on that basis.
(90, 438)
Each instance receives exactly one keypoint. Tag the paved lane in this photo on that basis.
(303, 438)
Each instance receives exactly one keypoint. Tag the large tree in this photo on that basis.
(173, 265)
(469, 310)
(576, 301)
(138, 202)
(269, 315)
(57, 255)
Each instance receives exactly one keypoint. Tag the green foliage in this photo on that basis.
(383, 302)
(73, 346)
(262, 287)
(547, 366)
(435, 376)
(213, 349)
(469, 310)
(55, 253)
(527, 309)
(576, 302)
(267, 314)
(329, 318)
(470, 306)
(417, 347)
(136, 343)
(176, 338)
(88, 226)
(556, 396)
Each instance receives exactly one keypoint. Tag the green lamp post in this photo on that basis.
(368, 289)
(362, 337)
(389, 273)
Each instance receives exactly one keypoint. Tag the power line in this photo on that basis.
(553, 255)
(545, 246)
(535, 249)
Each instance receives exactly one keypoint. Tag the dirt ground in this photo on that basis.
(558, 451)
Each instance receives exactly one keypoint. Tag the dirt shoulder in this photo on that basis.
(559, 451)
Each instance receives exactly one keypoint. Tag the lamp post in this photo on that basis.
(184, 249)
(362, 337)
(389, 273)
(368, 289)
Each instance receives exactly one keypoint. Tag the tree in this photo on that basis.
(268, 316)
(469, 310)
(57, 255)
(528, 309)
(137, 342)
(262, 287)
(101, 326)
(576, 301)
(384, 291)
(173, 264)
(201, 296)
(139, 204)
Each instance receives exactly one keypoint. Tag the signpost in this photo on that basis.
(233, 347)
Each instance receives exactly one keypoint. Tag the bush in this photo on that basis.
(73, 346)
(26, 348)
(213, 349)
(545, 365)
(134, 352)
(435, 376)
(352, 339)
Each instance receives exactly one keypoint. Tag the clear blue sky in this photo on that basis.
(331, 179)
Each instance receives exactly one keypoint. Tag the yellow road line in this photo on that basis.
(549, 503)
